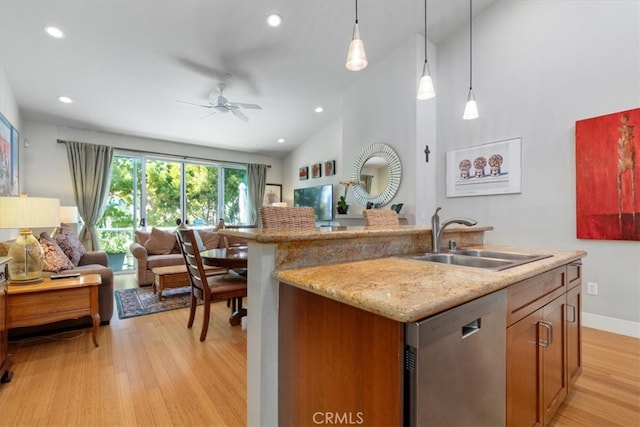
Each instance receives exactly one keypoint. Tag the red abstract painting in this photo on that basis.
(608, 176)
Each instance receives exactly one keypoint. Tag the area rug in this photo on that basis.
(140, 301)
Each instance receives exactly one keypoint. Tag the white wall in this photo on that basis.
(380, 107)
(8, 104)
(538, 67)
(322, 146)
(46, 171)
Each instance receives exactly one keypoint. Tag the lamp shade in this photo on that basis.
(27, 256)
(69, 214)
(29, 212)
(356, 56)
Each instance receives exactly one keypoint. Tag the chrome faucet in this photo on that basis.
(437, 228)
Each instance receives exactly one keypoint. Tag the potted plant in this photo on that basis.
(342, 206)
(115, 244)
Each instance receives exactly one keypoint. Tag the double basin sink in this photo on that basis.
(478, 258)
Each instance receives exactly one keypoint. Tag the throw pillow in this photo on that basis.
(69, 243)
(54, 258)
(160, 242)
(142, 237)
(4, 247)
(207, 239)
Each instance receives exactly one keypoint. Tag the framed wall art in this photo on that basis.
(303, 173)
(9, 144)
(316, 170)
(493, 168)
(608, 176)
(272, 194)
(329, 167)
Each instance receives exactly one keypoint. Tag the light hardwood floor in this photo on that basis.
(151, 370)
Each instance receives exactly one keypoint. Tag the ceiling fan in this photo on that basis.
(220, 104)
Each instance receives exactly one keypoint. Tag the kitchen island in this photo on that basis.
(358, 268)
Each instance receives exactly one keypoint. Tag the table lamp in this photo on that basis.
(26, 253)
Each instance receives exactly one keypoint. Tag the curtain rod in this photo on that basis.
(132, 150)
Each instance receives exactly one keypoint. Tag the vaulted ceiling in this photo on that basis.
(126, 63)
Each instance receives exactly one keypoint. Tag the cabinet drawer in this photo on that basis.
(574, 274)
(529, 295)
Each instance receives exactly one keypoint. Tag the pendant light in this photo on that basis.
(425, 88)
(356, 57)
(471, 109)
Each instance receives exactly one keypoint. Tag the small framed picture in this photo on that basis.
(303, 174)
(272, 194)
(316, 170)
(329, 167)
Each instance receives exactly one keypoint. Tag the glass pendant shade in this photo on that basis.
(425, 88)
(356, 57)
(27, 256)
(471, 109)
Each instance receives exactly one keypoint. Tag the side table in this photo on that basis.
(5, 362)
(54, 300)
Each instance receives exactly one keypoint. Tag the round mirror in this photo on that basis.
(379, 171)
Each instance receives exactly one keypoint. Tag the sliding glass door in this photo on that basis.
(157, 192)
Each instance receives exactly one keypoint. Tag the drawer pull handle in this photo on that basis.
(549, 327)
(573, 313)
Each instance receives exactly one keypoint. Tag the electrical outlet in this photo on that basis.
(592, 288)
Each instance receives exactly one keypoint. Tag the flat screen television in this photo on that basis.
(319, 198)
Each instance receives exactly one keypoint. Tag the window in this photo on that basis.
(150, 192)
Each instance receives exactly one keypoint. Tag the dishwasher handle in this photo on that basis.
(471, 328)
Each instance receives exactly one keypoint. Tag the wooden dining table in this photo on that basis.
(233, 258)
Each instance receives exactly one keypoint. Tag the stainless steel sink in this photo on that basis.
(501, 255)
(478, 258)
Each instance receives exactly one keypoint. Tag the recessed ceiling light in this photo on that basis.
(319, 109)
(54, 32)
(280, 140)
(65, 99)
(274, 20)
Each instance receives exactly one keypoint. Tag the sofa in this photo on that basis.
(159, 248)
(83, 263)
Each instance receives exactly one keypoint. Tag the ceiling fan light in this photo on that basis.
(356, 57)
(471, 109)
(426, 90)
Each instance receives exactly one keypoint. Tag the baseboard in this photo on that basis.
(611, 324)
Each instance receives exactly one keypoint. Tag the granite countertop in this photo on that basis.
(407, 290)
(337, 232)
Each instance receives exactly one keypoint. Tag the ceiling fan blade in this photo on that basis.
(239, 114)
(197, 105)
(248, 106)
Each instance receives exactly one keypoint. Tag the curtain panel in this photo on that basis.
(90, 167)
(257, 181)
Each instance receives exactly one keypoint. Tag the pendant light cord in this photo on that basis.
(470, 45)
(356, 11)
(425, 30)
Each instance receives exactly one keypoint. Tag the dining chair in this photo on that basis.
(209, 288)
(380, 217)
(282, 218)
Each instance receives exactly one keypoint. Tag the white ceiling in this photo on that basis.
(125, 63)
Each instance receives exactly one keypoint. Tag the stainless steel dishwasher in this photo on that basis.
(455, 365)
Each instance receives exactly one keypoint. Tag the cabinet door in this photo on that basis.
(552, 345)
(574, 335)
(524, 369)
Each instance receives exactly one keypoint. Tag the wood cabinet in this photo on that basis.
(543, 344)
(337, 364)
(5, 362)
(574, 323)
